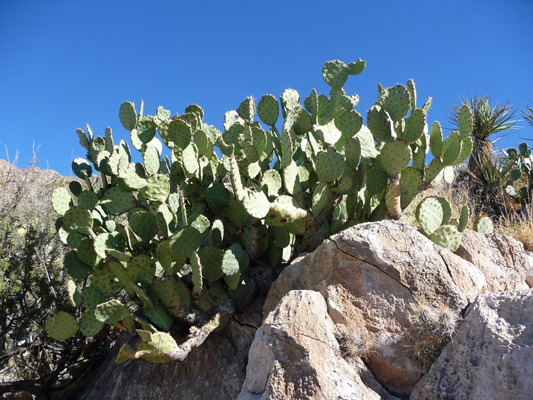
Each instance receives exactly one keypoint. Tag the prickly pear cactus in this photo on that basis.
(171, 240)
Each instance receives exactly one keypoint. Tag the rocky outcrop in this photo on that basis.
(371, 275)
(295, 355)
(491, 356)
(501, 259)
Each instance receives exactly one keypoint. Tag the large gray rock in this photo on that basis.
(371, 275)
(295, 355)
(490, 357)
(501, 259)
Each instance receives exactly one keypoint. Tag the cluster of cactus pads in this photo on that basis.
(170, 239)
(521, 163)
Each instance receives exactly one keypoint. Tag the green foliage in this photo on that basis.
(33, 285)
(197, 220)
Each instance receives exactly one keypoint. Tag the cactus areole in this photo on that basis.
(169, 242)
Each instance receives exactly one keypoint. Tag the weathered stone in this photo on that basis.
(371, 275)
(529, 275)
(490, 357)
(501, 259)
(295, 356)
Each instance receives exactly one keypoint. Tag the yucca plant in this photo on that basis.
(491, 123)
(487, 173)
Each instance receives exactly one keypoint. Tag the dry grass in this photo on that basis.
(519, 228)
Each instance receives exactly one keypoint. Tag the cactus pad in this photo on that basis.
(429, 215)
(335, 73)
(61, 326)
(396, 155)
(111, 311)
(329, 166)
(447, 236)
(268, 109)
(127, 115)
(117, 201)
(89, 325)
(380, 124)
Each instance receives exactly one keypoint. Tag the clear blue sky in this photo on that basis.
(67, 63)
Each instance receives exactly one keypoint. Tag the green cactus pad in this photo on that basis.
(76, 268)
(117, 201)
(412, 93)
(448, 237)
(433, 170)
(73, 294)
(217, 197)
(415, 126)
(466, 150)
(268, 109)
(283, 211)
(157, 188)
(216, 236)
(127, 115)
(89, 325)
(236, 181)
(311, 104)
(211, 259)
(348, 122)
(435, 139)
(201, 223)
(196, 109)
(353, 153)
(291, 179)
(104, 279)
(429, 214)
(246, 109)
(92, 296)
(146, 127)
(165, 220)
(81, 168)
(396, 156)
(395, 101)
(174, 294)
(170, 262)
(484, 225)
(151, 160)
(287, 150)
(320, 198)
(465, 121)
(349, 102)
(61, 200)
(257, 204)
(143, 224)
(160, 317)
(340, 216)
(380, 124)
(250, 152)
(103, 242)
(230, 261)
(132, 178)
(88, 200)
(463, 219)
(75, 188)
(446, 210)
(451, 149)
(329, 166)
(83, 138)
(186, 241)
(410, 182)
(78, 219)
(376, 181)
(61, 326)
(141, 269)
(179, 133)
(335, 73)
(355, 68)
(289, 99)
(111, 311)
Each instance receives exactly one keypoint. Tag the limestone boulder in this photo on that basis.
(490, 357)
(501, 259)
(295, 355)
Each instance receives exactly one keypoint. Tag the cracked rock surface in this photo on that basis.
(371, 275)
(295, 356)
